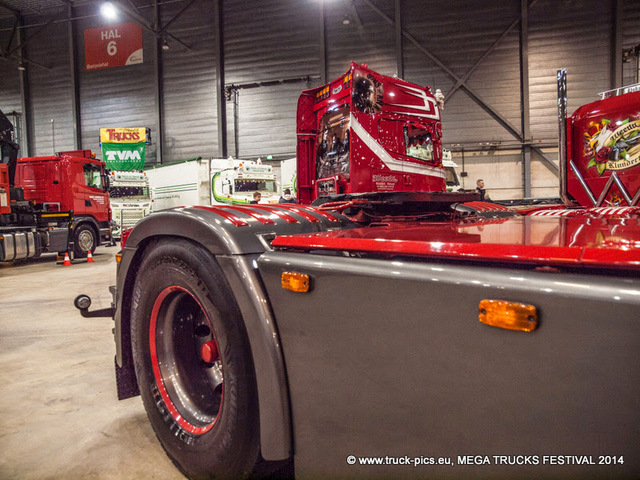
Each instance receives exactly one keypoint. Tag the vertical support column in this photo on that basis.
(323, 44)
(562, 131)
(524, 95)
(220, 81)
(27, 148)
(236, 123)
(398, 32)
(159, 93)
(616, 45)
(75, 87)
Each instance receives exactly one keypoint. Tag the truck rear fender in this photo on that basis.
(236, 236)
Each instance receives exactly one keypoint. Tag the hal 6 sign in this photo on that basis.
(113, 46)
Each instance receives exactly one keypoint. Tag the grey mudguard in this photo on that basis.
(235, 230)
(236, 236)
(387, 360)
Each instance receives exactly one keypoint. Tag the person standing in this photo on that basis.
(482, 191)
(287, 197)
(257, 196)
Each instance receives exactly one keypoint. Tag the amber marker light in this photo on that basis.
(508, 315)
(296, 282)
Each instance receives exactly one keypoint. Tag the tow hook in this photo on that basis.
(82, 302)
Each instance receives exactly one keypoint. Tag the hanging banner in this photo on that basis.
(123, 135)
(124, 156)
(113, 46)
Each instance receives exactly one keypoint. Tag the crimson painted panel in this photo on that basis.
(604, 143)
(608, 241)
(4, 189)
(366, 132)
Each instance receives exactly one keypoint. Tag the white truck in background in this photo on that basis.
(451, 176)
(288, 176)
(130, 199)
(211, 181)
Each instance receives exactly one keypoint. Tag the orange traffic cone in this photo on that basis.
(90, 257)
(66, 262)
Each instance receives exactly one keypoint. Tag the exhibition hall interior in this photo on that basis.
(302, 239)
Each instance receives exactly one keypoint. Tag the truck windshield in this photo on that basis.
(92, 175)
(252, 185)
(120, 192)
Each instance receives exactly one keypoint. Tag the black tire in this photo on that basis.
(203, 410)
(84, 239)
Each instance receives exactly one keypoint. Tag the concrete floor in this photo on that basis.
(60, 417)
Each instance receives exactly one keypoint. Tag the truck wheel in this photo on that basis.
(84, 239)
(193, 362)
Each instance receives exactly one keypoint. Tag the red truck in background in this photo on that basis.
(602, 150)
(368, 133)
(25, 231)
(476, 341)
(48, 204)
(76, 181)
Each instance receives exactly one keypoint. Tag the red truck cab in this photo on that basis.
(603, 150)
(366, 132)
(70, 181)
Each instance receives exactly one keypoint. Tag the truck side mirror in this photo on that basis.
(105, 182)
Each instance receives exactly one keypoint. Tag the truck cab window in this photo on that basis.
(451, 177)
(418, 143)
(332, 150)
(226, 187)
(92, 176)
(120, 192)
(250, 185)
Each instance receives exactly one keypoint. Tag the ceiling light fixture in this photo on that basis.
(109, 11)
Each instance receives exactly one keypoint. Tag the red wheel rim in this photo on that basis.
(185, 360)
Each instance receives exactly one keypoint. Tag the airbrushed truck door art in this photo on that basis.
(604, 152)
(366, 132)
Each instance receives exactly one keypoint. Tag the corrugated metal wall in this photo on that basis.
(267, 40)
(367, 38)
(476, 44)
(630, 39)
(576, 37)
(9, 78)
(51, 106)
(189, 83)
(457, 35)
